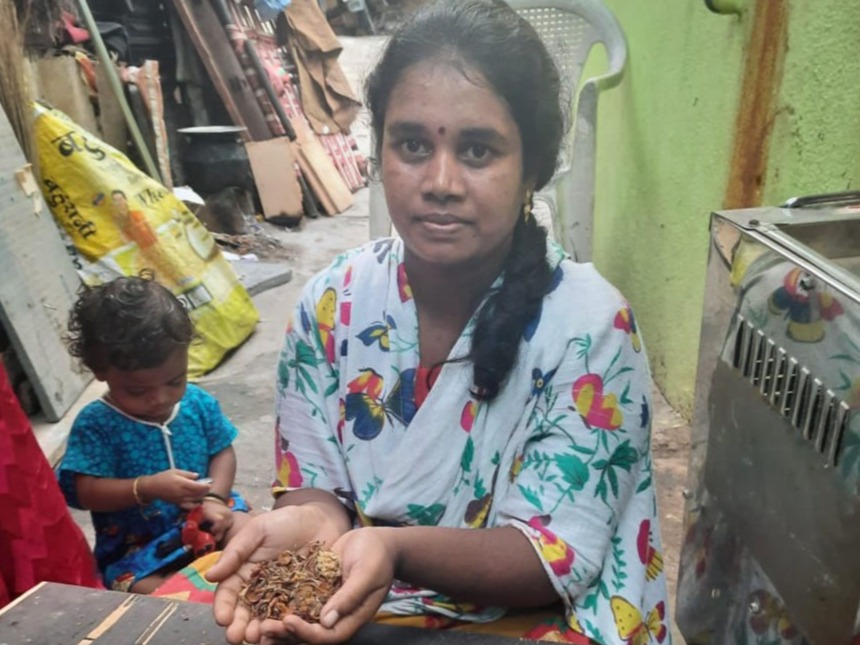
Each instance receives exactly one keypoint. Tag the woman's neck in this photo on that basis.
(450, 291)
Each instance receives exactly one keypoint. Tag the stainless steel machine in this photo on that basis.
(772, 548)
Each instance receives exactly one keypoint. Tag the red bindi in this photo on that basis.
(441, 132)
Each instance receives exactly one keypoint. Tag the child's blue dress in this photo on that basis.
(105, 442)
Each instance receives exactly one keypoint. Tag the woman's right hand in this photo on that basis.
(264, 538)
(176, 486)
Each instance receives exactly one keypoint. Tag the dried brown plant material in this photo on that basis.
(296, 582)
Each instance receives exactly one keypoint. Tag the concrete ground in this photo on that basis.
(244, 383)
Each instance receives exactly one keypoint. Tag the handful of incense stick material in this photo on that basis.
(296, 582)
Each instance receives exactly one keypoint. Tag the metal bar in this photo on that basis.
(768, 374)
(746, 348)
(788, 396)
(800, 391)
(839, 425)
(755, 359)
(780, 376)
(820, 434)
(846, 198)
(737, 358)
(812, 404)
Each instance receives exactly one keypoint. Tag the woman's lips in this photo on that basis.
(440, 221)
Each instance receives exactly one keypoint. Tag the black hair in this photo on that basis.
(491, 38)
(131, 323)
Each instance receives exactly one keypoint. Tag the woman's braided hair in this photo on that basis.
(490, 37)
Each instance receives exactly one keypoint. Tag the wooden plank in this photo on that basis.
(22, 598)
(322, 174)
(54, 613)
(58, 82)
(111, 120)
(39, 283)
(273, 166)
(313, 182)
(57, 613)
(212, 45)
(112, 619)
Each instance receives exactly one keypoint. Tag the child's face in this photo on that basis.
(149, 394)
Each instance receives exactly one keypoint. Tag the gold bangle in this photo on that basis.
(215, 498)
(136, 493)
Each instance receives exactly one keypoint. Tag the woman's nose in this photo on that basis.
(443, 178)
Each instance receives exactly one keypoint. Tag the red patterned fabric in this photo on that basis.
(39, 540)
(424, 380)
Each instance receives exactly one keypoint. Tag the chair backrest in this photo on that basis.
(570, 29)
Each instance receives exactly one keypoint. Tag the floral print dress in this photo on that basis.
(562, 454)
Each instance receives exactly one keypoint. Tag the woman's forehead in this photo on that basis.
(438, 94)
(448, 66)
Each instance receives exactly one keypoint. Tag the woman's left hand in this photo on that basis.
(367, 564)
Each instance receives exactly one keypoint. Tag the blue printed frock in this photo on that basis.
(105, 442)
(562, 454)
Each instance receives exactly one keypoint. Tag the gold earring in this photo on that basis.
(527, 205)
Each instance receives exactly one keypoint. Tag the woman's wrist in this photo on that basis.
(389, 536)
(325, 502)
(332, 514)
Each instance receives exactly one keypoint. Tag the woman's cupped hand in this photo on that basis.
(367, 562)
(367, 566)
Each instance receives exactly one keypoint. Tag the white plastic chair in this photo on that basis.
(569, 29)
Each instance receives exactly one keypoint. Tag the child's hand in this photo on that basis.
(175, 486)
(221, 517)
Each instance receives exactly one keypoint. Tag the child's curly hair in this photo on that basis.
(131, 323)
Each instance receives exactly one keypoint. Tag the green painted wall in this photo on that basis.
(665, 139)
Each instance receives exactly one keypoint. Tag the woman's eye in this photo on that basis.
(477, 153)
(413, 148)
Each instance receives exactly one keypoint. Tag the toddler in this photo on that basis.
(154, 449)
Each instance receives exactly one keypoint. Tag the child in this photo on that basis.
(153, 446)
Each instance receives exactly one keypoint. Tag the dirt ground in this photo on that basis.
(670, 443)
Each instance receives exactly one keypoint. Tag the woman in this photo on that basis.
(463, 413)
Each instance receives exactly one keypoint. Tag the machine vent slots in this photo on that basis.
(798, 395)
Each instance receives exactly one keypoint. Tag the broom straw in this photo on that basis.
(14, 86)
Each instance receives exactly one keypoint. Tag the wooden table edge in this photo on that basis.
(23, 597)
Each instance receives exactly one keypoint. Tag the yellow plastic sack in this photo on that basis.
(119, 221)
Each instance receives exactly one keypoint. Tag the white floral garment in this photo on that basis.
(562, 453)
